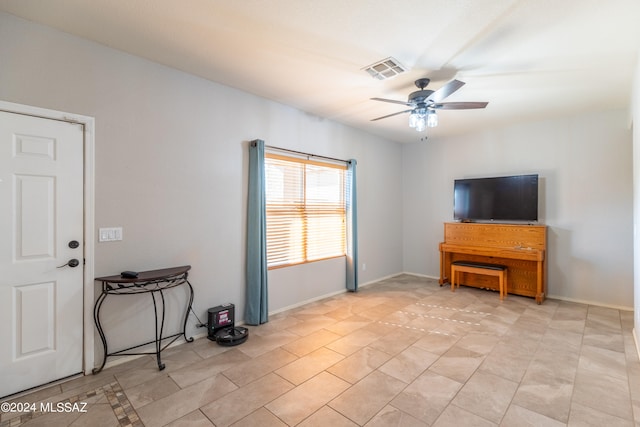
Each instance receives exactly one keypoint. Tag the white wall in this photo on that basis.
(171, 169)
(585, 165)
(636, 201)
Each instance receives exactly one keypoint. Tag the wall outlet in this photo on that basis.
(110, 234)
(364, 266)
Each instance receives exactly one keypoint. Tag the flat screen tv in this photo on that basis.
(506, 198)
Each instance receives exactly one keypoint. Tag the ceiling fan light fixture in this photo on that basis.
(385, 69)
(432, 119)
(422, 118)
(413, 119)
(418, 119)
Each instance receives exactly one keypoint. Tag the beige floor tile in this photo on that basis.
(576, 326)
(427, 396)
(185, 401)
(297, 404)
(396, 340)
(115, 365)
(366, 398)
(233, 406)
(311, 324)
(518, 416)
(340, 312)
(89, 382)
(260, 418)
(604, 315)
(381, 311)
(409, 364)
(553, 363)
(150, 371)
(508, 361)
(561, 341)
(44, 394)
(603, 361)
(353, 342)
(454, 416)
(486, 395)
(244, 372)
(276, 323)
(349, 325)
(257, 345)
(99, 415)
(633, 369)
(150, 391)
(309, 366)
(584, 416)
(315, 308)
(546, 393)
(399, 317)
(608, 394)
(457, 363)
(311, 342)
(193, 419)
(507, 313)
(630, 350)
(57, 419)
(390, 416)
(479, 343)
(207, 368)
(205, 348)
(327, 417)
(436, 343)
(360, 364)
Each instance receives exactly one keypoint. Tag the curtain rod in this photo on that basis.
(303, 154)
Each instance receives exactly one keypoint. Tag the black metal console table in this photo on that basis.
(151, 282)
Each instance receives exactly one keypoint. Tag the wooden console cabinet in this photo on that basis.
(522, 248)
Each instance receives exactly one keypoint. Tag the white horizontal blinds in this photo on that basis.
(325, 211)
(305, 210)
(285, 211)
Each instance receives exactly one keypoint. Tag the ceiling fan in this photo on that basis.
(424, 104)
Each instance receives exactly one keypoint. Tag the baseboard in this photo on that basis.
(426, 276)
(598, 304)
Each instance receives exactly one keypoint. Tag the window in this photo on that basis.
(306, 212)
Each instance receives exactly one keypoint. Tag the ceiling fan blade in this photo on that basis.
(459, 105)
(392, 101)
(391, 115)
(445, 90)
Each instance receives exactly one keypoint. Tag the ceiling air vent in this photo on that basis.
(385, 69)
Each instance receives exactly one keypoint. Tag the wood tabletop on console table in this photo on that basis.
(149, 275)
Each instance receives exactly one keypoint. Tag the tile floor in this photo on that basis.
(401, 352)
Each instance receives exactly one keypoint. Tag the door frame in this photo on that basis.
(88, 123)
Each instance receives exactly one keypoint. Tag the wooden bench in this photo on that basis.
(496, 270)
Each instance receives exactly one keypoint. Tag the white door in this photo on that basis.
(41, 218)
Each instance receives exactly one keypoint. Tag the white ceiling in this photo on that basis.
(530, 59)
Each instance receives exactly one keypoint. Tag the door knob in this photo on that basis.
(71, 263)
(74, 244)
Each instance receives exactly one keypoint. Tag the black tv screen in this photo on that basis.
(507, 198)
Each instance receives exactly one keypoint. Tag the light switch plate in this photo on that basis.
(110, 234)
